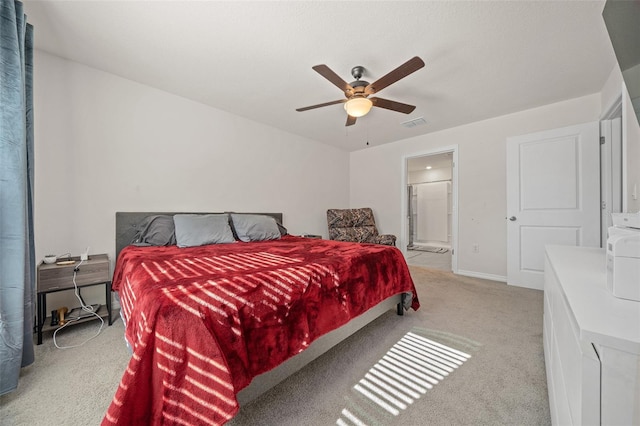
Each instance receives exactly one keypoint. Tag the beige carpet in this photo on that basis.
(502, 382)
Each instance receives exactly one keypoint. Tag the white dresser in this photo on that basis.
(591, 342)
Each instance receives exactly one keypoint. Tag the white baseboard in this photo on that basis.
(539, 286)
(482, 275)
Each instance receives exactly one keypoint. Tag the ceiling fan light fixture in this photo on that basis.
(358, 107)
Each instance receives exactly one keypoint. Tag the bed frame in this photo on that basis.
(126, 229)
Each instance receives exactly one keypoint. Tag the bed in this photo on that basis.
(212, 326)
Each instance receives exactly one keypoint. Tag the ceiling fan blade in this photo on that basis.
(350, 120)
(334, 78)
(341, 101)
(392, 105)
(412, 65)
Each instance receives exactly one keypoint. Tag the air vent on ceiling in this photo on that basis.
(415, 122)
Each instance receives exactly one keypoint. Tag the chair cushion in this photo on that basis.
(343, 218)
(361, 234)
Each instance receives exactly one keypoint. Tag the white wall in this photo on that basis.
(432, 212)
(610, 93)
(376, 177)
(433, 175)
(105, 144)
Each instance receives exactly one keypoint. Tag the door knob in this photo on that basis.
(512, 218)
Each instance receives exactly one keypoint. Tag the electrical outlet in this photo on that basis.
(475, 248)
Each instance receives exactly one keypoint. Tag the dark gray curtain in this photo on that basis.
(17, 257)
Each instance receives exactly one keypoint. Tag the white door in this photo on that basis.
(553, 197)
(610, 173)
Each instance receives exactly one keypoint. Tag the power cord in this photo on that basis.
(86, 308)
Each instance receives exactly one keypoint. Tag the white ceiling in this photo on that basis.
(483, 58)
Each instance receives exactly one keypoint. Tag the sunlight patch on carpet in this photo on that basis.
(406, 372)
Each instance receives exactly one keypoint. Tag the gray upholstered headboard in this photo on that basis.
(127, 224)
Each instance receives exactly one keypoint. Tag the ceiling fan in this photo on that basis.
(358, 102)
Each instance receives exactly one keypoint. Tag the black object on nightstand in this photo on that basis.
(54, 277)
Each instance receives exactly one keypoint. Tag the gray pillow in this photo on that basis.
(255, 227)
(156, 230)
(200, 229)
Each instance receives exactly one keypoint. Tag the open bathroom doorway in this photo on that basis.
(430, 210)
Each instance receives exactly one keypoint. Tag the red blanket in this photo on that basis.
(203, 321)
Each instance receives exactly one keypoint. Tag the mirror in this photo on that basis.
(622, 20)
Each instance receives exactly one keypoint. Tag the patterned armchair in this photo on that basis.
(356, 225)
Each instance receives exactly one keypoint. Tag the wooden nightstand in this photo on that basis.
(53, 278)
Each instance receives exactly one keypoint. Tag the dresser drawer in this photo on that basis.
(57, 277)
